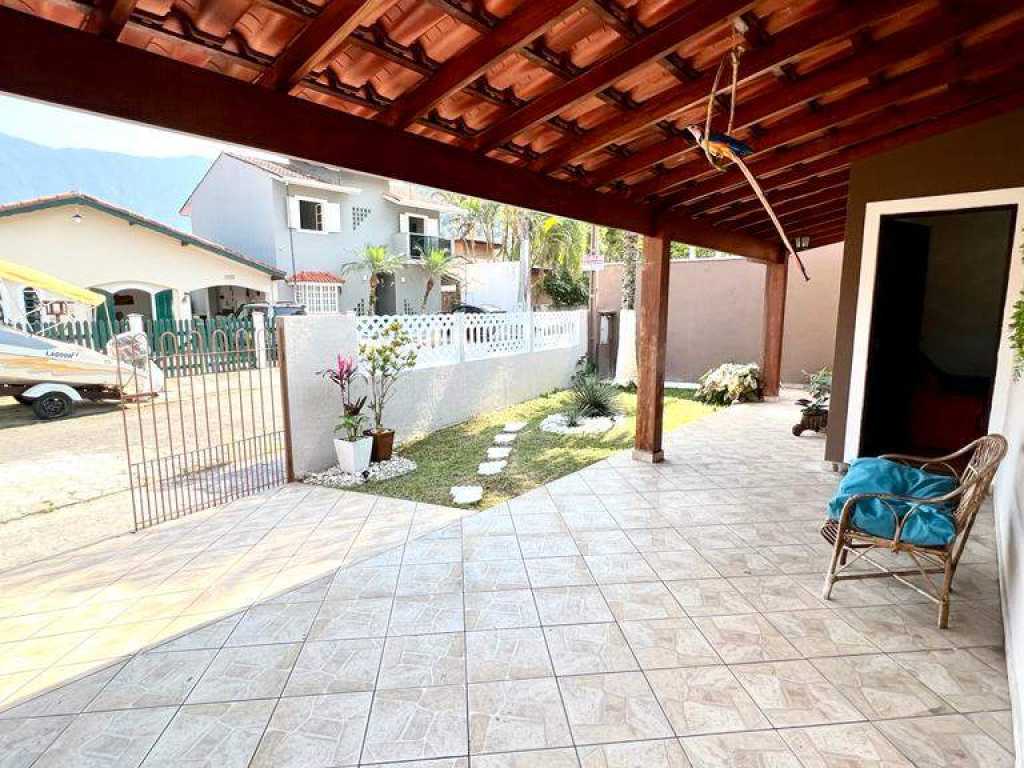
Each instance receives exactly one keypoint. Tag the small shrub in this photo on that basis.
(584, 367)
(819, 384)
(594, 397)
(573, 416)
(730, 383)
(565, 288)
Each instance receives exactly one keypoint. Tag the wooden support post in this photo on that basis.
(652, 333)
(774, 321)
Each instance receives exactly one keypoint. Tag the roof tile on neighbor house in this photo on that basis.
(315, 277)
(185, 238)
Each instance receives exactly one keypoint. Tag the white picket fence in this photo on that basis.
(454, 338)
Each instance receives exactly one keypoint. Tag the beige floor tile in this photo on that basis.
(478, 548)
(709, 597)
(675, 566)
(252, 672)
(59, 690)
(199, 631)
(507, 654)
(516, 715)
(646, 600)
(895, 628)
(619, 568)
(612, 707)
(704, 537)
(9, 685)
(794, 693)
(22, 741)
(495, 575)
(314, 732)
(540, 544)
(558, 572)
(702, 700)
(998, 725)
(879, 687)
(350, 619)
(578, 649)
(745, 637)
(820, 633)
(858, 745)
(118, 641)
(107, 739)
(500, 610)
(426, 614)
(571, 605)
(430, 579)
(211, 736)
(660, 753)
(609, 542)
(948, 741)
(39, 653)
(658, 540)
(769, 594)
(416, 724)
(432, 551)
(738, 750)
(423, 660)
(153, 680)
(335, 666)
(274, 623)
(961, 679)
(362, 583)
(668, 643)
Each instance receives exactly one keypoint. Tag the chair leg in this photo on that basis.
(947, 580)
(830, 578)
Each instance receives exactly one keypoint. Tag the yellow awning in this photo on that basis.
(42, 281)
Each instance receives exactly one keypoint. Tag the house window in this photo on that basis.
(318, 298)
(311, 215)
(359, 215)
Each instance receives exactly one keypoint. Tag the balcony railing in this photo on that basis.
(415, 246)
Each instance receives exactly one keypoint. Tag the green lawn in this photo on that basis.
(451, 456)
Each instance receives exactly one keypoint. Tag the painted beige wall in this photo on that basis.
(105, 250)
(716, 306)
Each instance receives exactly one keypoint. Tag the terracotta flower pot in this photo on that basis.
(383, 443)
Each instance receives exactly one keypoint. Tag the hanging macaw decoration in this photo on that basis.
(721, 149)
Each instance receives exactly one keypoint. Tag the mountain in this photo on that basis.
(155, 187)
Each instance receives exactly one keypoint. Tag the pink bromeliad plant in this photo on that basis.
(342, 375)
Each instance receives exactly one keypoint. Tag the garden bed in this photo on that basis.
(452, 456)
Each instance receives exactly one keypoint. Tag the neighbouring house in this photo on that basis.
(144, 267)
(312, 221)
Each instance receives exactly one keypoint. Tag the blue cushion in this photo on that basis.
(931, 526)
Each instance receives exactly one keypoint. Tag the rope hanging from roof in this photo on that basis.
(721, 149)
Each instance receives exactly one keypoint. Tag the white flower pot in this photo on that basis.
(354, 455)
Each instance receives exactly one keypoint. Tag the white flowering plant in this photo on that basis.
(386, 354)
(730, 383)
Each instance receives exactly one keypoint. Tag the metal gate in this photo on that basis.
(211, 431)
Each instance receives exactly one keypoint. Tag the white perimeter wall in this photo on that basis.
(490, 282)
(425, 400)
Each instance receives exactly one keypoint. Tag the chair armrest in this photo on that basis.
(924, 463)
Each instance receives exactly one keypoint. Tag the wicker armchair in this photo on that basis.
(851, 545)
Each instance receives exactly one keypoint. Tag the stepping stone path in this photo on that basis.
(497, 456)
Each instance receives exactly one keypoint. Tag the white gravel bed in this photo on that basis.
(589, 425)
(382, 470)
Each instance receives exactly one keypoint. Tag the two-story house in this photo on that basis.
(310, 221)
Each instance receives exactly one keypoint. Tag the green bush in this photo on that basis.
(593, 397)
(730, 383)
(566, 289)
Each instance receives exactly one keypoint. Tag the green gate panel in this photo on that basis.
(163, 305)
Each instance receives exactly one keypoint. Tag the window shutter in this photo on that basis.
(403, 222)
(332, 217)
(293, 213)
(431, 227)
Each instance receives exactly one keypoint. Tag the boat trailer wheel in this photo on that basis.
(52, 405)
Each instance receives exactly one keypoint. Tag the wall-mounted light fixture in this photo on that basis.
(801, 243)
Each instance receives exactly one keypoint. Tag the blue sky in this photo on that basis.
(61, 127)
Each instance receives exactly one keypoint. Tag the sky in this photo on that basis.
(60, 128)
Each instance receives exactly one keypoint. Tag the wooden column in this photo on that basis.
(774, 321)
(652, 332)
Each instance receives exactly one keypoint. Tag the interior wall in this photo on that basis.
(989, 155)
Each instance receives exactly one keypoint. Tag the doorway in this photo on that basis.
(386, 301)
(936, 324)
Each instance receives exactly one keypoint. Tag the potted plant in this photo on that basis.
(353, 449)
(342, 376)
(386, 354)
(814, 410)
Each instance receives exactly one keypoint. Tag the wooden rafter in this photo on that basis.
(316, 42)
(784, 201)
(653, 45)
(528, 22)
(786, 46)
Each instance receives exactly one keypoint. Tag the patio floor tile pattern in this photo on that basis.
(666, 616)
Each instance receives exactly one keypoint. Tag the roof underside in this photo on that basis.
(597, 94)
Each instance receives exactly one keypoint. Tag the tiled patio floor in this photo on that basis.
(628, 615)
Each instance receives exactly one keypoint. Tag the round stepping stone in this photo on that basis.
(491, 467)
(499, 452)
(467, 494)
(514, 426)
(505, 438)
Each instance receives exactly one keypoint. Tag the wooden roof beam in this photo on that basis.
(785, 46)
(524, 25)
(662, 40)
(778, 197)
(317, 40)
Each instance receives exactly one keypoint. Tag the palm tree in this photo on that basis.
(377, 260)
(437, 264)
